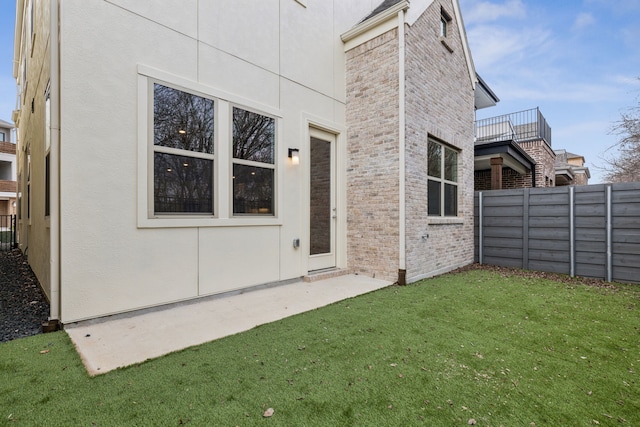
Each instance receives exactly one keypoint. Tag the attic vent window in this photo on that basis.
(445, 25)
(445, 21)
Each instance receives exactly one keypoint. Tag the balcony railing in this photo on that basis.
(528, 125)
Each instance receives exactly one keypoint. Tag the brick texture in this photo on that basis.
(373, 157)
(439, 103)
(545, 161)
(7, 148)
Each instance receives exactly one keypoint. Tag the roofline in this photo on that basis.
(465, 44)
(6, 124)
(505, 147)
(374, 21)
(419, 6)
(487, 89)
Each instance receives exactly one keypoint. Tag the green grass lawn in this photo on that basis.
(498, 348)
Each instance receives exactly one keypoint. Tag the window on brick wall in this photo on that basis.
(442, 171)
(445, 21)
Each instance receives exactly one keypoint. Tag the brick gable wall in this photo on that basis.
(440, 103)
(373, 157)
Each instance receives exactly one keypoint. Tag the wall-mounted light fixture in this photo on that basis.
(294, 155)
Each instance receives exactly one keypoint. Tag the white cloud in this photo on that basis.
(625, 80)
(497, 47)
(485, 11)
(583, 20)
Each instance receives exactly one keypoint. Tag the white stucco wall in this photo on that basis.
(272, 55)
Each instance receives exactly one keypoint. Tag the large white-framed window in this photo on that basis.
(183, 151)
(253, 157)
(206, 157)
(442, 171)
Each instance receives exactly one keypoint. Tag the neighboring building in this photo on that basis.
(571, 169)
(7, 170)
(514, 151)
(173, 150)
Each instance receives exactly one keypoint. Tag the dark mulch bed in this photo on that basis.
(23, 305)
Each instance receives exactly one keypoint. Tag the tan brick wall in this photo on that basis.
(439, 102)
(373, 157)
(581, 179)
(7, 148)
(510, 179)
(545, 160)
(7, 186)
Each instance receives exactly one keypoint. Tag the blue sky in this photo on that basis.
(7, 83)
(578, 60)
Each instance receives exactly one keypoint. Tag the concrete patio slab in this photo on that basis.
(124, 340)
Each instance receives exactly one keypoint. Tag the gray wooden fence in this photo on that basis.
(590, 231)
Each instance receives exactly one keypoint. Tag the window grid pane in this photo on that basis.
(434, 159)
(433, 198)
(253, 190)
(450, 200)
(253, 136)
(450, 165)
(182, 184)
(182, 120)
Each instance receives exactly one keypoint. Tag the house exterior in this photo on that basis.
(514, 151)
(571, 169)
(174, 150)
(7, 170)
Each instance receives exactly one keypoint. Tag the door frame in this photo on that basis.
(329, 259)
(312, 124)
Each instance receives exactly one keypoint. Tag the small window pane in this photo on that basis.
(253, 136)
(433, 198)
(450, 165)
(252, 190)
(434, 160)
(182, 184)
(182, 120)
(450, 200)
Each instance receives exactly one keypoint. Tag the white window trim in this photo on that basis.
(233, 161)
(180, 152)
(443, 181)
(222, 173)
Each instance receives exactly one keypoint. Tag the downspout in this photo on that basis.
(402, 272)
(54, 167)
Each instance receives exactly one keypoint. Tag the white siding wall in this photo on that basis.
(278, 54)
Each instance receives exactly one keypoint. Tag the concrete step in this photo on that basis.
(328, 273)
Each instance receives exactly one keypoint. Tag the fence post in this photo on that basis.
(480, 234)
(525, 229)
(572, 232)
(14, 232)
(609, 236)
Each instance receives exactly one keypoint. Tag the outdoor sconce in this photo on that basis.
(294, 155)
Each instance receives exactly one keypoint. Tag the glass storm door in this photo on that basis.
(322, 200)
